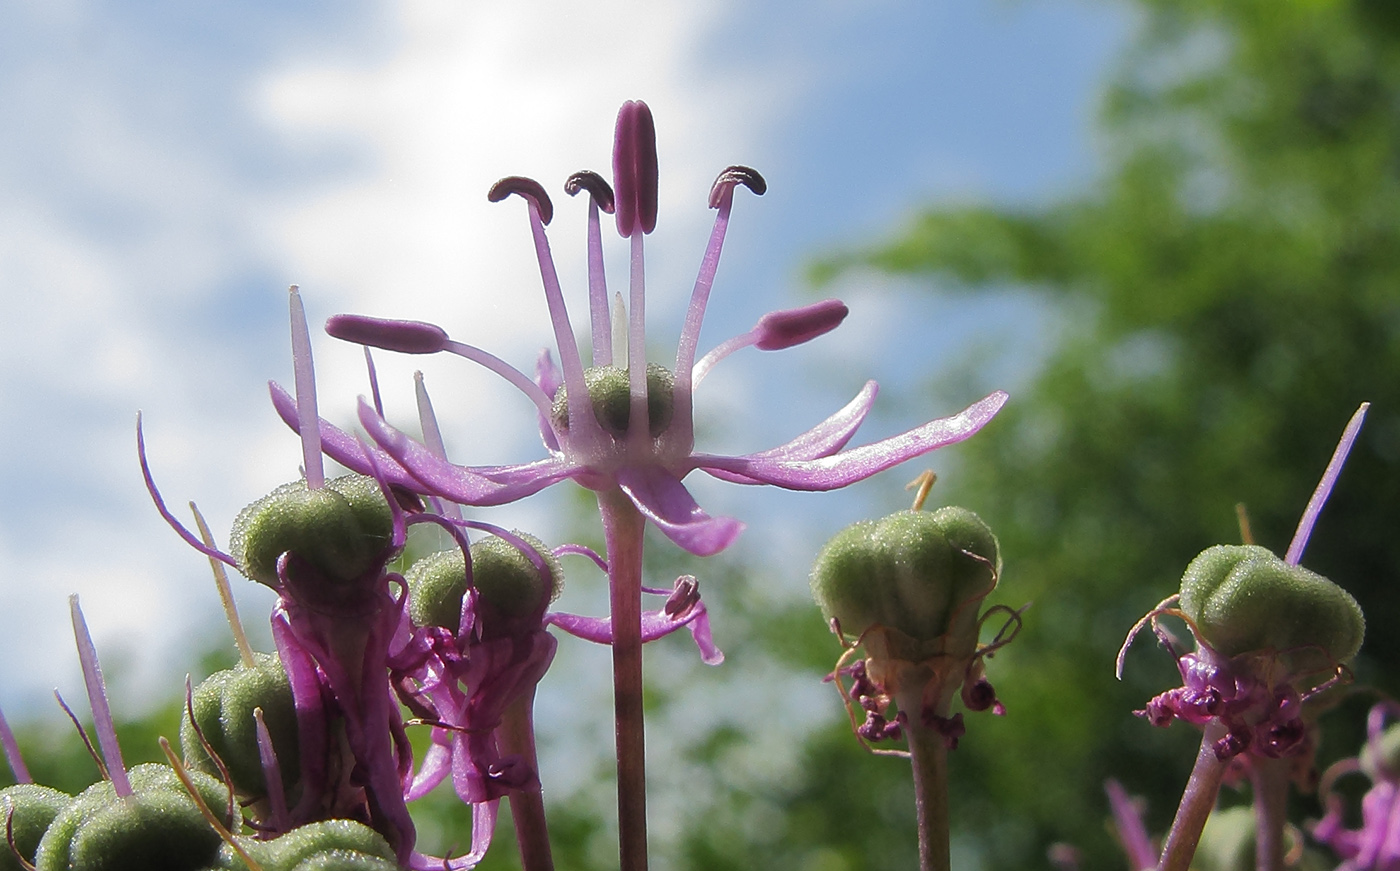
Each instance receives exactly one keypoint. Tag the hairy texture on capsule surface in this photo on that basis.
(611, 393)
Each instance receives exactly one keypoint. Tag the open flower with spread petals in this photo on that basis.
(621, 424)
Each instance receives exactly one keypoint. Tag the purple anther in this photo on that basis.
(1282, 739)
(951, 728)
(597, 187)
(634, 169)
(1235, 742)
(684, 597)
(527, 188)
(784, 329)
(736, 175)
(406, 337)
(979, 695)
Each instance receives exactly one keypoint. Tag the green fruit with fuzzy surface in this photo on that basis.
(505, 578)
(341, 529)
(1244, 599)
(32, 809)
(157, 828)
(328, 845)
(223, 707)
(919, 572)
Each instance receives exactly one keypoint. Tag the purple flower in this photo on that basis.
(622, 425)
(1374, 845)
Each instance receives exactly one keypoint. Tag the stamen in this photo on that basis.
(240, 639)
(406, 337)
(432, 435)
(586, 431)
(165, 512)
(639, 418)
(924, 483)
(700, 297)
(601, 197)
(597, 187)
(219, 765)
(179, 768)
(307, 415)
(527, 188)
(1324, 487)
(784, 329)
(635, 169)
(736, 175)
(373, 382)
(776, 331)
(83, 736)
(12, 754)
(1242, 515)
(9, 810)
(97, 698)
(519, 379)
(581, 550)
(272, 774)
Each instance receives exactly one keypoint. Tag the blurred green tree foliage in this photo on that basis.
(1231, 287)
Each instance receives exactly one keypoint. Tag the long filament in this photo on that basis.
(1324, 487)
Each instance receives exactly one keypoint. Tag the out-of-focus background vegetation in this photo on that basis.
(1226, 293)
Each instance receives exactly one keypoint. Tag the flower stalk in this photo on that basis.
(1197, 801)
(622, 529)
(928, 755)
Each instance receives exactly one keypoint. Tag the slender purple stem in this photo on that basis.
(97, 698)
(517, 735)
(1270, 779)
(1197, 801)
(622, 527)
(928, 754)
(1324, 487)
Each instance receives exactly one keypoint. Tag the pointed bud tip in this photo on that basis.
(736, 175)
(595, 184)
(527, 188)
(406, 337)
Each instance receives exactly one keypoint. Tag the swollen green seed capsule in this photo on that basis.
(921, 573)
(158, 827)
(1245, 599)
(340, 529)
(610, 390)
(32, 809)
(223, 707)
(506, 579)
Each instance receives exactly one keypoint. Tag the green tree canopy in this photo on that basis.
(1232, 285)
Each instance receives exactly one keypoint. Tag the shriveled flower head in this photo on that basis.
(623, 423)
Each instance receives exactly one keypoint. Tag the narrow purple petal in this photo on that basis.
(1127, 818)
(824, 439)
(656, 624)
(97, 698)
(12, 754)
(341, 446)
(437, 764)
(455, 482)
(663, 500)
(549, 379)
(1324, 487)
(857, 464)
(406, 337)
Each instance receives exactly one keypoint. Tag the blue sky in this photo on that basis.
(167, 169)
